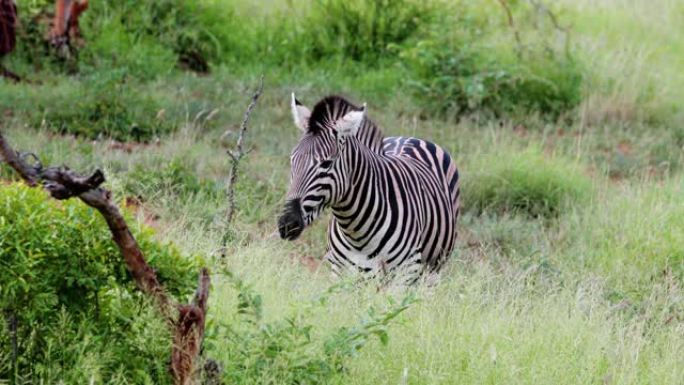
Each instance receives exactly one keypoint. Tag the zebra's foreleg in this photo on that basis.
(408, 273)
(414, 269)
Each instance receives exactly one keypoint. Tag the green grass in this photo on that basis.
(570, 260)
(634, 48)
(525, 181)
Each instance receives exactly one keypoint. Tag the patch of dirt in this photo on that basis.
(520, 130)
(121, 146)
(311, 263)
(625, 148)
(128, 147)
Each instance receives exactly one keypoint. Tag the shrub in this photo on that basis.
(466, 64)
(33, 27)
(527, 182)
(104, 105)
(110, 45)
(77, 311)
(173, 178)
(147, 38)
(361, 30)
(186, 28)
(325, 32)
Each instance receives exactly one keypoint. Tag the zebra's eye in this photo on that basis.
(326, 164)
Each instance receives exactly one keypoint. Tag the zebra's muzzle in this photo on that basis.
(291, 223)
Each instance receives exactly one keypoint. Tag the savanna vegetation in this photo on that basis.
(566, 119)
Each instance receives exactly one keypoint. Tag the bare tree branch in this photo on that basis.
(552, 16)
(8, 35)
(4, 72)
(239, 152)
(29, 174)
(63, 183)
(511, 24)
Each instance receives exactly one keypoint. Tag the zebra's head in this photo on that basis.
(316, 170)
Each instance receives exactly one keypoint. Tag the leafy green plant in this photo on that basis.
(362, 30)
(64, 286)
(33, 27)
(475, 67)
(186, 28)
(289, 350)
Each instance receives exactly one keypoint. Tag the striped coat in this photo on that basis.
(394, 200)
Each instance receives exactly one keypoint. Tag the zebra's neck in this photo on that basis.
(362, 196)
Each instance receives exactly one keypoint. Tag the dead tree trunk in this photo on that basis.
(65, 31)
(187, 340)
(8, 35)
(186, 321)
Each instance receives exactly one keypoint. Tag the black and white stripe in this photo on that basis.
(395, 200)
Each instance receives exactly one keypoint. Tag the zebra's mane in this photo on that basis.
(331, 108)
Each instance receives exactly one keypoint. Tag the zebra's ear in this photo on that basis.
(350, 123)
(300, 114)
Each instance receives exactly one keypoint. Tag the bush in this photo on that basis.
(187, 28)
(110, 45)
(362, 30)
(528, 182)
(147, 38)
(325, 32)
(76, 308)
(475, 67)
(34, 19)
(173, 178)
(104, 105)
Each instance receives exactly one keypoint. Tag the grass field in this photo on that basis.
(570, 260)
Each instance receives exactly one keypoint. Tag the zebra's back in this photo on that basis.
(434, 156)
(439, 240)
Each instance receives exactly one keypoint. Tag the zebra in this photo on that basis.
(395, 200)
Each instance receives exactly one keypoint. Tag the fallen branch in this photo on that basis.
(188, 327)
(238, 153)
(5, 73)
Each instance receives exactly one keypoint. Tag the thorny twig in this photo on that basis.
(186, 322)
(238, 153)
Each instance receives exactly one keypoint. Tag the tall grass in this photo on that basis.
(634, 50)
(569, 265)
(635, 237)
